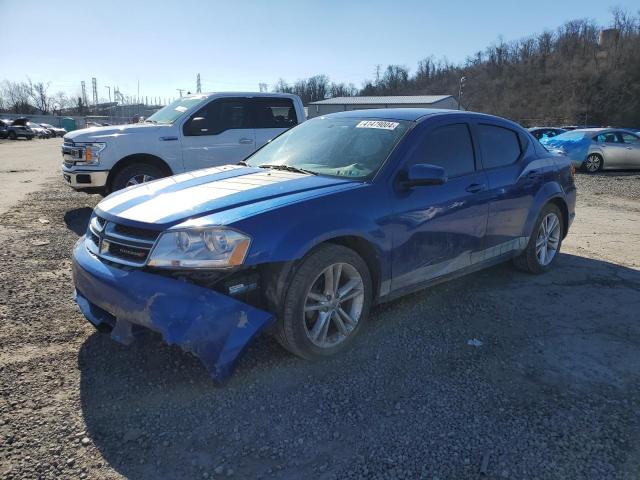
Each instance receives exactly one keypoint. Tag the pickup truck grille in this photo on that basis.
(120, 243)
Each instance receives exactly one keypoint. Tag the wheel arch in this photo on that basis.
(551, 192)
(138, 158)
(564, 209)
(277, 274)
(367, 252)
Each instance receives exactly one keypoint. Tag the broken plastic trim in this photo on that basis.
(212, 326)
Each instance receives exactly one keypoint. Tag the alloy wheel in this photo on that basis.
(592, 164)
(333, 305)
(548, 239)
(138, 179)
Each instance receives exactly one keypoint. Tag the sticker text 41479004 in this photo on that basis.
(377, 124)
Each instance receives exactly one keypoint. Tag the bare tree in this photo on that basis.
(16, 96)
(59, 102)
(39, 96)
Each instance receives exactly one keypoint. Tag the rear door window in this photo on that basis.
(500, 146)
(273, 113)
(609, 137)
(449, 147)
(630, 138)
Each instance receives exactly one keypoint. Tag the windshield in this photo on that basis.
(351, 147)
(175, 110)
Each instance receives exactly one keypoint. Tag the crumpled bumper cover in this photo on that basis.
(212, 326)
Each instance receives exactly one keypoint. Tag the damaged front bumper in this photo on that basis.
(212, 326)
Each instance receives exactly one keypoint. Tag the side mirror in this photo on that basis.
(194, 126)
(423, 174)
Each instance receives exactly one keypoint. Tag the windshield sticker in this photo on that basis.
(181, 109)
(377, 124)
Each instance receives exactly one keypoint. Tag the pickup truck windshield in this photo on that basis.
(174, 110)
(351, 147)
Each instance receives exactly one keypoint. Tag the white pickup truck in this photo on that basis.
(195, 131)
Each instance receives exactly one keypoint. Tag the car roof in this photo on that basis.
(241, 94)
(410, 114)
(602, 130)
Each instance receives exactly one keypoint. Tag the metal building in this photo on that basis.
(341, 104)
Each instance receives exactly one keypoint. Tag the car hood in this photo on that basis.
(169, 201)
(96, 134)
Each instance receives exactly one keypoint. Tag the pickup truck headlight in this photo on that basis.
(215, 247)
(92, 152)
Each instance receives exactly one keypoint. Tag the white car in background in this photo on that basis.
(54, 131)
(40, 132)
(196, 131)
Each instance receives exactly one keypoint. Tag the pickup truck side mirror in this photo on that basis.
(195, 126)
(423, 174)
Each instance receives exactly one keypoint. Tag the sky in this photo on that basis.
(235, 45)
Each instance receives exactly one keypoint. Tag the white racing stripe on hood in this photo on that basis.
(153, 187)
(167, 204)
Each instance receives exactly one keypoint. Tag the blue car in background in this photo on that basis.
(333, 216)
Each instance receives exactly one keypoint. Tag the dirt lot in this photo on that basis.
(553, 391)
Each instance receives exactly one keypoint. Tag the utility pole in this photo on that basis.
(109, 88)
(84, 93)
(180, 90)
(198, 84)
(463, 79)
(94, 87)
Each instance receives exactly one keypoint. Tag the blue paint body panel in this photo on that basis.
(418, 236)
(213, 327)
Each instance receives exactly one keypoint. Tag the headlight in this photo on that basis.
(216, 247)
(91, 152)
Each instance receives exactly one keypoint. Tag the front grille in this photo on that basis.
(137, 232)
(119, 243)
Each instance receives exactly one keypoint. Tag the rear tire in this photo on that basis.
(311, 301)
(547, 235)
(134, 174)
(593, 163)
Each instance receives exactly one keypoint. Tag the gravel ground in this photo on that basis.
(620, 184)
(495, 375)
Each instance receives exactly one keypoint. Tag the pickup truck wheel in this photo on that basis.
(544, 244)
(326, 304)
(12, 135)
(135, 174)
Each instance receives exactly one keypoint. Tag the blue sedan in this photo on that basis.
(333, 216)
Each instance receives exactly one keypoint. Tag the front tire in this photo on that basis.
(12, 136)
(593, 163)
(135, 174)
(326, 303)
(545, 242)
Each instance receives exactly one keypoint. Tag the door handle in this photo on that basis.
(245, 141)
(629, 148)
(534, 174)
(476, 187)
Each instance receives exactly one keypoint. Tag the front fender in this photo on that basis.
(288, 233)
